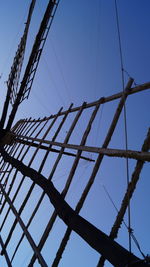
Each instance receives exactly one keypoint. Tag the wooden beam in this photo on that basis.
(121, 153)
(102, 100)
(33, 59)
(16, 67)
(72, 172)
(94, 172)
(91, 180)
(31, 127)
(47, 148)
(117, 255)
(5, 252)
(28, 236)
(40, 169)
(30, 162)
(128, 195)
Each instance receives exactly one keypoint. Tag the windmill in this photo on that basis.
(29, 139)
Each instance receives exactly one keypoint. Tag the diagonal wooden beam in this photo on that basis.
(47, 148)
(45, 157)
(19, 220)
(21, 182)
(34, 58)
(102, 100)
(128, 195)
(14, 75)
(121, 153)
(5, 252)
(70, 176)
(116, 254)
(94, 171)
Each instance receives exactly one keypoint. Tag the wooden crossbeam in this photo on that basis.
(122, 153)
(51, 149)
(5, 252)
(44, 159)
(31, 127)
(71, 174)
(33, 59)
(91, 180)
(43, 143)
(14, 75)
(116, 254)
(102, 100)
(31, 188)
(128, 195)
(18, 218)
(94, 172)
(12, 150)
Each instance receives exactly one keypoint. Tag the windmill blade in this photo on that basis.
(14, 76)
(42, 137)
(34, 59)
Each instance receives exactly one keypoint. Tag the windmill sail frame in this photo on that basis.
(36, 136)
(34, 151)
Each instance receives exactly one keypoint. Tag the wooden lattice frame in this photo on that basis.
(33, 134)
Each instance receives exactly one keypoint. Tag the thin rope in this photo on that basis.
(131, 230)
(125, 119)
(129, 76)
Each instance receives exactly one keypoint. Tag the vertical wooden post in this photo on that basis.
(28, 236)
(71, 174)
(128, 195)
(27, 196)
(94, 172)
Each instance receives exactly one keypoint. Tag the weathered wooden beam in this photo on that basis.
(106, 99)
(22, 129)
(25, 127)
(71, 129)
(91, 180)
(17, 66)
(31, 128)
(33, 59)
(19, 130)
(71, 174)
(30, 162)
(47, 148)
(19, 220)
(121, 153)
(40, 169)
(116, 255)
(128, 195)
(94, 172)
(132, 185)
(5, 253)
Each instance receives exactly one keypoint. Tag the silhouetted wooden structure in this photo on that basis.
(31, 148)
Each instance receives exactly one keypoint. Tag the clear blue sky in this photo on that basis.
(81, 62)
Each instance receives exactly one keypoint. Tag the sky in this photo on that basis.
(81, 62)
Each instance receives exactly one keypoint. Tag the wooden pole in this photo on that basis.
(110, 152)
(40, 169)
(128, 195)
(94, 172)
(5, 253)
(71, 174)
(17, 61)
(102, 100)
(117, 255)
(28, 236)
(31, 188)
(33, 59)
